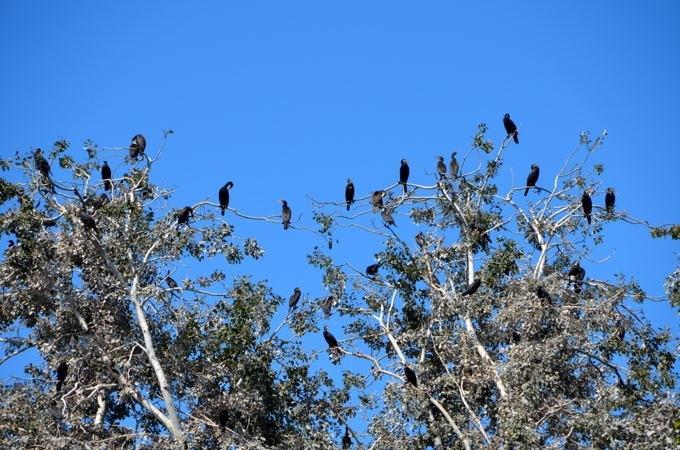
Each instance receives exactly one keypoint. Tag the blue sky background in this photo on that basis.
(289, 99)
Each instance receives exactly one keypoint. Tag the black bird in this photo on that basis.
(387, 217)
(223, 196)
(87, 220)
(543, 294)
(100, 201)
(476, 283)
(327, 306)
(411, 376)
(349, 193)
(224, 418)
(346, 440)
(441, 167)
(404, 172)
(453, 165)
(184, 214)
(587, 204)
(137, 146)
(41, 164)
(377, 200)
(106, 176)
(43, 167)
(609, 200)
(420, 240)
(510, 127)
(532, 178)
(372, 270)
(330, 339)
(285, 214)
(576, 274)
(62, 371)
(295, 298)
(172, 284)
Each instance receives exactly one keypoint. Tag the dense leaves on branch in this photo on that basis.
(477, 324)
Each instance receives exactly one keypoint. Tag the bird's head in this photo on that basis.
(229, 185)
(297, 289)
(283, 202)
(440, 158)
(506, 116)
(404, 161)
(325, 328)
(453, 155)
(610, 190)
(349, 181)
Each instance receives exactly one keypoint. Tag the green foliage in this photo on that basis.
(533, 358)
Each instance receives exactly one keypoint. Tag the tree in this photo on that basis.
(532, 358)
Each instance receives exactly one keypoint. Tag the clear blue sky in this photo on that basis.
(288, 99)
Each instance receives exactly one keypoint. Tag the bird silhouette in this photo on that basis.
(510, 128)
(532, 178)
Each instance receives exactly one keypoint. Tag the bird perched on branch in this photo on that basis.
(349, 193)
(377, 200)
(411, 376)
(87, 220)
(223, 196)
(453, 165)
(334, 349)
(295, 298)
(285, 214)
(441, 167)
(576, 275)
(184, 214)
(327, 305)
(510, 128)
(420, 240)
(372, 270)
(532, 178)
(587, 204)
(476, 283)
(62, 372)
(106, 176)
(404, 172)
(609, 200)
(387, 217)
(137, 146)
(43, 168)
(346, 440)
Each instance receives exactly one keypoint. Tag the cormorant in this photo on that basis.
(285, 214)
(100, 201)
(532, 178)
(172, 284)
(404, 172)
(330, 339)
(411, 376)
(441, 167)
(327, 305)
(377, 200)
(576, 274)
(420, 240)
(224, 196)
(224, 418)
(609, 200)
(510, 128)
(137, 146)
(349, 193)
(346, 440)
(87, 220)
(106, 176)
(453, 165)
(473, 287)
(387, 217)
(295, 298)
(372, 270)
(184, 214)
(62, 371)
(543, 294)
(43, 167)
(41, 164)
(587, 204)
